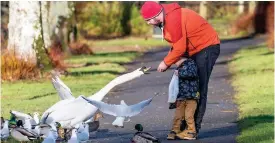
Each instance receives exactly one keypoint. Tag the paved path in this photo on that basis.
(219, 124)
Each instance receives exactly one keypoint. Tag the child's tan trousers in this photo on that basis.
(185, 111)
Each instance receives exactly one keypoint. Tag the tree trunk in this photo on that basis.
(203, 9)
(59, 14)
(241, 7)
(24, 28)
(45, 17)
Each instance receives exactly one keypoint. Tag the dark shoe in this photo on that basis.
(171, 135)
(172, 105)
(197, 133)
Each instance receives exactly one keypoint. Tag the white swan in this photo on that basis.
(120, 111)
(70, 112)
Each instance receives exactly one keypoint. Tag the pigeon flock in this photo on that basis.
(71, 119)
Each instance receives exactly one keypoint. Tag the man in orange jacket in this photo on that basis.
(191, 36)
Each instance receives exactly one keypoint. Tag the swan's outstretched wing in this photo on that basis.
(63, 90)
(137, 108)
(104, 107)
(120, 110)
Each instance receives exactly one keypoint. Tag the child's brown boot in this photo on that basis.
(186, 135)
(171, 135)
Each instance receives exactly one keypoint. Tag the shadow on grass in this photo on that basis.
(237, 39)
(249, 122)
(95, 64)
(93, 72)
(224, 62)
(268, 53)
(40, 96)
(114, 54)
(104, 58)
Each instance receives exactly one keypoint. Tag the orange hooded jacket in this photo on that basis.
(185, 30)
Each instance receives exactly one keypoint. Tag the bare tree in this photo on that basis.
(24, 29)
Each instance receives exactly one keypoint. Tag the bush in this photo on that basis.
(100, 19)
(13, 68)
(110, 19)
(56, 55)
(138, 25)
(243, 23)
(79, 48)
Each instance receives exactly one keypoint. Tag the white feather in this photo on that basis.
(63, 90)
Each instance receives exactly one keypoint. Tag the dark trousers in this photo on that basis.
(205, 61)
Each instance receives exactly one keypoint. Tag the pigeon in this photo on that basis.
(83, 132)
(73, 138)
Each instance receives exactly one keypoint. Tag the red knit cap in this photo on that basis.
(150, 9)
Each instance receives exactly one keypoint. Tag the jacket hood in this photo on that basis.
(170, 7)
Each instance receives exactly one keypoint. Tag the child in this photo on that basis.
(186, 102)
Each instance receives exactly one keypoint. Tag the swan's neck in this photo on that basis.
(119, 80)
(101, 93)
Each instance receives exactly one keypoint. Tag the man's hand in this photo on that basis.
(162, 67)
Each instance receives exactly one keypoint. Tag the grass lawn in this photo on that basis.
(126, 44)
(253, 80)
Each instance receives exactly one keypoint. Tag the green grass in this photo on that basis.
(130, 41)
(253, 80)
(126, 44)
(30, 96)
(115, 57)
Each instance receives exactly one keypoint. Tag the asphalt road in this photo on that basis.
(219, 123)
